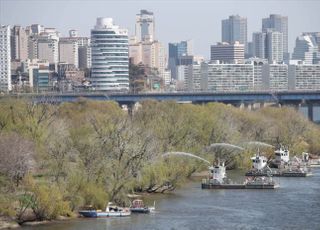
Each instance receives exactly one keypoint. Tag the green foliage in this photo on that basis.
(89, 152)
(45, 200)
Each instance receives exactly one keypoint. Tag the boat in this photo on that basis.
(259, 166)
(139, 207)
(218, 180)
(111, 211)
(282, 157)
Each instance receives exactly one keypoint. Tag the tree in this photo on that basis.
(16, 154)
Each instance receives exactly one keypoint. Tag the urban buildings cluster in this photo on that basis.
(39, 59)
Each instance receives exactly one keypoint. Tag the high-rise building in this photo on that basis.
(228, 53)
(19, 43)
(268, 45)
(304, 77)
(275, 77)
(145, 26)
(274, 46)
(68, 51)
(178, 51)
(306, 49)
(110, 61)
(259, 44)
(235, 29)
(278, 23)
(5, 55)
(230, 77)
(150, 54)
(144, 48)
(84, 53)
(47, 49)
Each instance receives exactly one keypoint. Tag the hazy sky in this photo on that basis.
(176, 20)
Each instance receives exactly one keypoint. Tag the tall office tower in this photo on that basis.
(110, 61)
(280, 24)
(259, 44)
(19, 43)
(47, 49)
(145, 26)
(5, 54)
(228, 53)
(235, 29)
(68, 51)
(274, 46)
(306, 49)
(178, 51)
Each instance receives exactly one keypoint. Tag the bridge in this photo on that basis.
(307, 101)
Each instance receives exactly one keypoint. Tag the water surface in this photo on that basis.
(295, 205)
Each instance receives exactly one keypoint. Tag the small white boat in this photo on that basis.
(139, 207)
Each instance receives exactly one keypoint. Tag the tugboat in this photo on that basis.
(139, 207)
(259, 166)
(111, 211)
(282, 157)
(218, 180)
(285, 167)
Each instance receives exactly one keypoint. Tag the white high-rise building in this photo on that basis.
(5, 56)
(274, 46)
(145, 26)
(278, 23)
(110, 60)
(68, 51)
(306, 49)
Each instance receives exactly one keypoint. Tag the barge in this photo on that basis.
(218, 180)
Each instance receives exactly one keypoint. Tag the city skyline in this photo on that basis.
(197, 20)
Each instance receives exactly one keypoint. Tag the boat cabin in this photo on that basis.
(259, 162)
(282, 155)
(218, 172)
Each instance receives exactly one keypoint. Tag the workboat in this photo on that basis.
(111, 211)
(218, 180)
(282, 157)
(139, 207)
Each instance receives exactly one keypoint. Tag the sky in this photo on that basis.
(175, 20)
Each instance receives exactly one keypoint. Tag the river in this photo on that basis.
(295, 205)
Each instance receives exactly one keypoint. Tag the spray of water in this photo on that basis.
(185, 154)
(258, 143)
(225, 145)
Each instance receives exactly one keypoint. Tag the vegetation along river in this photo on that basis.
(295, 205)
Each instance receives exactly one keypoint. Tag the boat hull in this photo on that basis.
(239, 186)
(140, 210)
(279, 174)
(95, 214)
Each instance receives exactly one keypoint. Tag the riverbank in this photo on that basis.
(6, 223)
